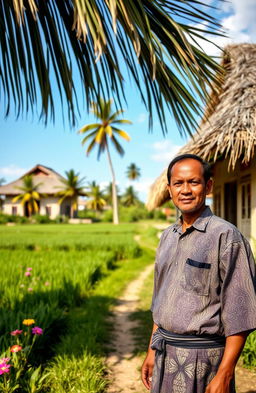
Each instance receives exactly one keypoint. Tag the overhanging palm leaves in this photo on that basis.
(45, 40)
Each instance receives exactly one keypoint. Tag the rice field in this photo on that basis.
(65, 278)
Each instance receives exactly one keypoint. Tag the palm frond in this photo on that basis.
(45, 43)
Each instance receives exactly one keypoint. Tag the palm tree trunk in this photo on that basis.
(114, 194)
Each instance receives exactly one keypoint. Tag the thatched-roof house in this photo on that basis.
(228, 139)
(50, 182)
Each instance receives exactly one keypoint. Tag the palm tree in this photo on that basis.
(156, 41)
(2, 180)
(72, 188)
(108, 194)
(133, 172)
(100, 134)
(30, 195)
(97, 200)
(130, 197)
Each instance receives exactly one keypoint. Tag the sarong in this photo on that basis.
(185, 363)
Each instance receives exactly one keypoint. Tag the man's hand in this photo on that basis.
(147, 369)
(220, 383)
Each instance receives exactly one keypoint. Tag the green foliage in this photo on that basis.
(5, 218)
(41, 219)
(66, 266)
(249, 351)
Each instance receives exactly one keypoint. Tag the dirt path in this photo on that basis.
(122, 364)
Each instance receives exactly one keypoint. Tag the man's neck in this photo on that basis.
(189, 218)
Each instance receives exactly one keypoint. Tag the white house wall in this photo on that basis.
(52, 203)
(8, 205)
(222, 176)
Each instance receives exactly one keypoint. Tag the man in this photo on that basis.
(204, 302)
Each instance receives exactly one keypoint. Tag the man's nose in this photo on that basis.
(186, 189)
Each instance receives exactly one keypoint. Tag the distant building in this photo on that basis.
(48, 204)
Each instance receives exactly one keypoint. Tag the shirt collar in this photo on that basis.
(201, 222)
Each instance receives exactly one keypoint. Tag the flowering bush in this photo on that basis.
(16, 374)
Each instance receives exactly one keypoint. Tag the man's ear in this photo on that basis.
(209, 186)
(169, 190)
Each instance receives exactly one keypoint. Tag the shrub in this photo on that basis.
(41, 219)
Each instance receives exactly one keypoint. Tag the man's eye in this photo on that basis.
(195, 182)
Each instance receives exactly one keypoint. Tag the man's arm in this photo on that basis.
(148, 364)
(233, 348)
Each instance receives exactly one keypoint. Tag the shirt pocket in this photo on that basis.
(196, 277)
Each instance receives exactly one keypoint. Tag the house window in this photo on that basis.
(246, 200)
(14, 210)
(48, 210)
(217, 203)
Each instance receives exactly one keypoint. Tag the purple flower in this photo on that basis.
(37, 330)
(16, 332)
(27, 274)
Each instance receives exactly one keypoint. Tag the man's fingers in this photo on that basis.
(147, 377)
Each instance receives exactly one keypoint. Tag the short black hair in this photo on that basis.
(207, 173)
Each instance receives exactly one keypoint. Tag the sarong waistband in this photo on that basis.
(185, 340)
(163, 337)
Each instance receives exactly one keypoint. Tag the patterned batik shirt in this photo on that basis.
(204, 279)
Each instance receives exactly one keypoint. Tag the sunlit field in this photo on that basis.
(65, 278)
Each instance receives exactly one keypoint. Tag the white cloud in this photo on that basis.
(12, 171)
(239, 26)
(141, 186)
(142, 118)
(164, 151)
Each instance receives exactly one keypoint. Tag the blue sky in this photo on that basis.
(25, 143)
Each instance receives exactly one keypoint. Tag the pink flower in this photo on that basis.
(30, 289)
(15, 348)
(47, 283)
(4, 368)
(4, 360)
(29, 269)
(16, 332)
(37, 330)
(27, 274)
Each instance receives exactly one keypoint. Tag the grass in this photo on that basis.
(77, 274)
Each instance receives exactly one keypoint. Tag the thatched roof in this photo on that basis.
(230, 128)
(51, 181)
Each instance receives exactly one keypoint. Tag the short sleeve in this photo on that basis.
(155, 282)
(238, 296)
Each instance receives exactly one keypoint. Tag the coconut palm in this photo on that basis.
(108, 194)
(100, 134)
(72, 188)
(30, 196)
(96, 199)
(133, 172)
(154, 40)
(130, 197)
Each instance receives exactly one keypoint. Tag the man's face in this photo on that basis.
(187, 186)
